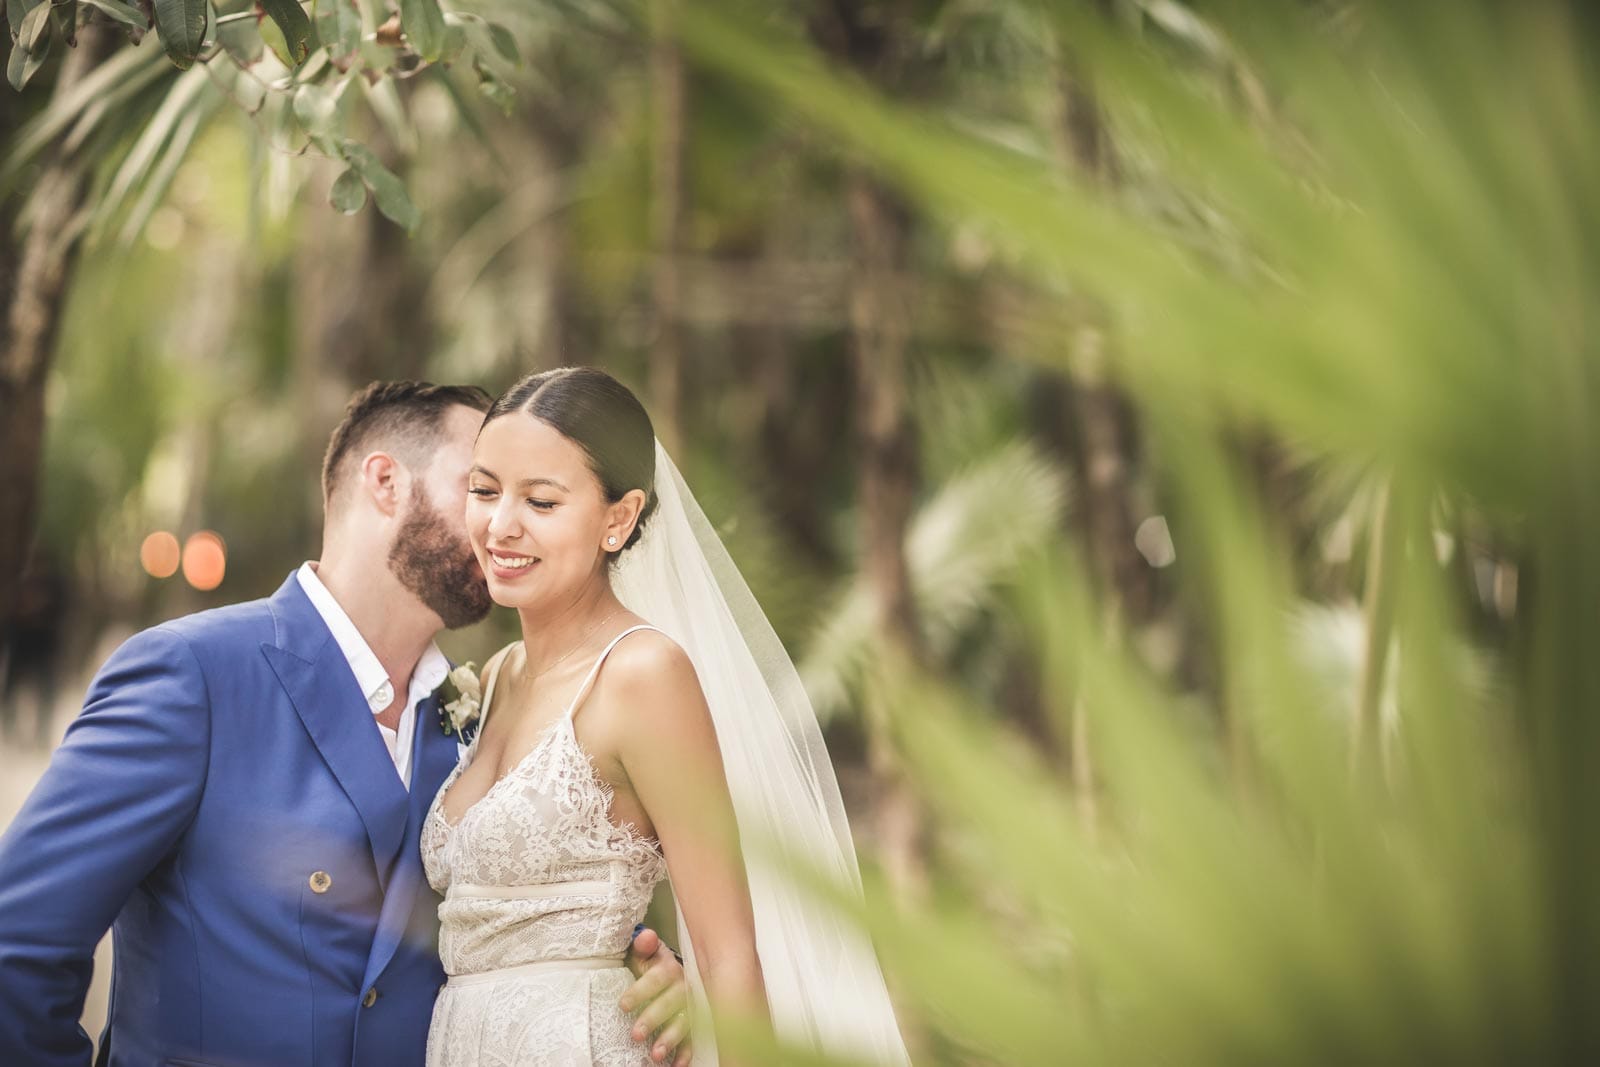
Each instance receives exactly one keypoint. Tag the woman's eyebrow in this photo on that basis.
(527, 483)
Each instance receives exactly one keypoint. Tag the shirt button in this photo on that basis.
(383, 697)
(370, 997)
(320, 881)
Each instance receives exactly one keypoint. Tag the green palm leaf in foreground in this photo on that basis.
(1414, 202)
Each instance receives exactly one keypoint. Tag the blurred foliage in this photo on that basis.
(1389, 279)
(1320, 792)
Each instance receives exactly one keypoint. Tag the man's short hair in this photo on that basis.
(401, 418)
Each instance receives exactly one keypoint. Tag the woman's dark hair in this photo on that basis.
(601, 416)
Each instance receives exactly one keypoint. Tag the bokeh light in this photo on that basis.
(205, 560)
(159, 555)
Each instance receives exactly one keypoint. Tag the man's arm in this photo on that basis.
(118, 794)
(660, 994)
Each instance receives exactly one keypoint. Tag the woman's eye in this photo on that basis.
(542, 505)
(479, 491)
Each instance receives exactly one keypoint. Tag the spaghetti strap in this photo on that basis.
(583, 690)
(491, 674)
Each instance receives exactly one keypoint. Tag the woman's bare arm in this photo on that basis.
(669, 752)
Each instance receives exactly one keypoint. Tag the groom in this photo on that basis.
(242, 796)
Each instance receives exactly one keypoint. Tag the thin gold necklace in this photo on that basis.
(557, 661)
(535, 677)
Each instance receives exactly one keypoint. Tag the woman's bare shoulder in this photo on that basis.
(649, 661)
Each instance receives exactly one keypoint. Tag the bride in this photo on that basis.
(646, 724)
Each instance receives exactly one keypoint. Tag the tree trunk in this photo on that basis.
(870, 38)
(1104, 432)
(34, 269)
(668, 225)
(793, 450)
(882, 328)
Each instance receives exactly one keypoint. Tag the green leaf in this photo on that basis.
(348, 194)
(504, 43)
(16, 11)
(492, 42)
(316, 108)
(31, 47)
(423, 24)
(242, 43)
(116, 10)
(387, 189)
(36, 59)
(16, 65)
(339, 25)
(494, 87)
(455, 41)
(271, 36)
(182, 25)
(32, 28)
(65, 15)
(298, 34)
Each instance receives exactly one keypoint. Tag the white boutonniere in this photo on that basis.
(460, 702)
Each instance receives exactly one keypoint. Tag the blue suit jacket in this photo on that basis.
(225, 768)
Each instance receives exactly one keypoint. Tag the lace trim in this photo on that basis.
(629, 830)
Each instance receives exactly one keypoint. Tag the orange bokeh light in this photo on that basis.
(159, 555)
(205, 560)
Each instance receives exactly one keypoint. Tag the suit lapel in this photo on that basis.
(435, 756)
(432, 757)
(317, 678)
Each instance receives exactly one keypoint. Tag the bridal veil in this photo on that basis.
(824, 986)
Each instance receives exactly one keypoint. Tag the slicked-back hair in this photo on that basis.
(402, 418)
(601, 416)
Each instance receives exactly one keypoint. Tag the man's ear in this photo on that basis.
(381, 478)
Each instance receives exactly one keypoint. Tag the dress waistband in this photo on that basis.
(582, 963)
(542, 891)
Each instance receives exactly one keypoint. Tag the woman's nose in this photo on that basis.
(502, 522)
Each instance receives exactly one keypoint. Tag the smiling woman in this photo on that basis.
(631, 737)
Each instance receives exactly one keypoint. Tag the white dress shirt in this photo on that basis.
(373, 680)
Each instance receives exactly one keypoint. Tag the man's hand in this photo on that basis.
(660, 993)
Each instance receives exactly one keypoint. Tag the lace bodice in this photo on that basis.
(535, 870)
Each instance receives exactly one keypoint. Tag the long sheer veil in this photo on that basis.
(823, 983)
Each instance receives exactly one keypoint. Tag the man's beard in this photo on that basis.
(436, 563)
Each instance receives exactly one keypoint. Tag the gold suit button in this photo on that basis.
(369, 998)
(320, 882)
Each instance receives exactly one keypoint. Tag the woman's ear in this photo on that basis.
(621, 518)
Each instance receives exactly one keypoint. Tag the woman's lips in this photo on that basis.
(511, 567)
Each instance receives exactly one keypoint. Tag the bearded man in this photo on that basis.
(242, 796)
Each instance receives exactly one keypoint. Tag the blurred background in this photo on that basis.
(1162, 433)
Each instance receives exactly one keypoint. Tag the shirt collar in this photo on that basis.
(371, 677)
(429, 673)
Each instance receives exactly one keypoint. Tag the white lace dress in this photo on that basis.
(542, 893)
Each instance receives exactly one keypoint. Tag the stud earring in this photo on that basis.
(611, 540)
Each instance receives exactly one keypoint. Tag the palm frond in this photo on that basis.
(962, 545)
